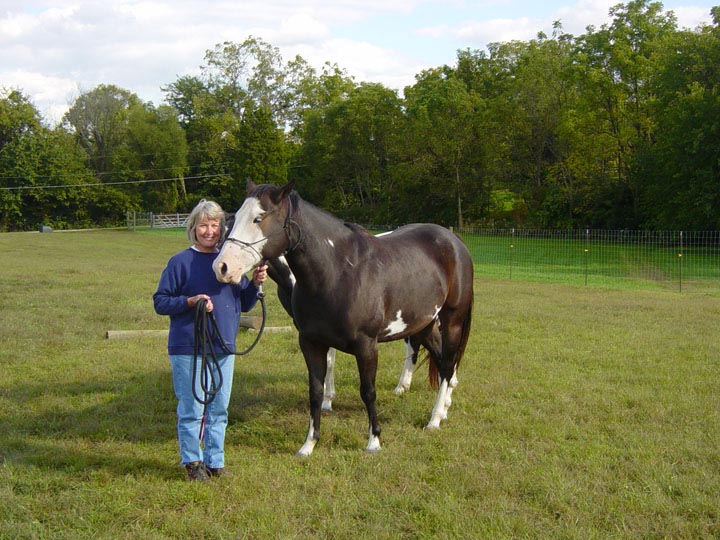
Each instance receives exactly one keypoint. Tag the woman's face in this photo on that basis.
(207, 233)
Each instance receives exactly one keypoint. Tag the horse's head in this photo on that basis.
(259, 231)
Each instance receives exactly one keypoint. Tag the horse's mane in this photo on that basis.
(354, 227)
(262, 189)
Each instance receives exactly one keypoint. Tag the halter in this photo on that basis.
(285, 229)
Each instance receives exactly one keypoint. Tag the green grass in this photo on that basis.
(606, 259)
(582, 413)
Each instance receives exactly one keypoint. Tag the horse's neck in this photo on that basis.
(322, 236)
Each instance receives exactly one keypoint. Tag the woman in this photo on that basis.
(187, 279)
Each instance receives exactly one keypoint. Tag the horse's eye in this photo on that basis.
(259, 218)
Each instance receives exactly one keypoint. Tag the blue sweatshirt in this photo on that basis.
(189, 273)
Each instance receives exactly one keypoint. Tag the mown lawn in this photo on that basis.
(582, 412)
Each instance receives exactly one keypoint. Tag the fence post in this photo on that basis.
(587, 252)
(680, 256)
(512, 249)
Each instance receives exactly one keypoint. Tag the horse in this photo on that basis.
(279, 271)
(354, 290)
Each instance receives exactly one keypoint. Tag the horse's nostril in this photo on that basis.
(223, 269)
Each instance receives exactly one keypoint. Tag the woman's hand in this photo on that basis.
(192, 300)
(260, 275)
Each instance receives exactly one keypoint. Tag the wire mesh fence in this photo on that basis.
(676, 259)
(679, 260)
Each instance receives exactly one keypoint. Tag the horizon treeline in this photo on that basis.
(618, 128)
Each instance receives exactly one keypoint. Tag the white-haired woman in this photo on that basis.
(188, 278)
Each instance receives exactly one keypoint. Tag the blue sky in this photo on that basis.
(55, 50)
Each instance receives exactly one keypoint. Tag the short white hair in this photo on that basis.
(205, 209)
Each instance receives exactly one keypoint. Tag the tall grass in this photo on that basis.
(581, 413)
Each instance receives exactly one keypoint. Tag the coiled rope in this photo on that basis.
(205, 357)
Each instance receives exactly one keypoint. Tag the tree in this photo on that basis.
(19, 120)
(98, 119)
(678, 169)
(182, 96)
(615, 66)
(42, 171)
(152, 158)
(441, 118)
(350, 147)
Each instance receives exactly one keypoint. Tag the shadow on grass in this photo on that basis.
(118, 425)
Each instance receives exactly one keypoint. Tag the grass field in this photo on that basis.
(582, 413)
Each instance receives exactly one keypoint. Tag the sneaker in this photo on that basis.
(218, 472)
(196, 471)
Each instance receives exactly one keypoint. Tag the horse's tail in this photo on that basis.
(465, 331)
(433, 371)
(435, 356)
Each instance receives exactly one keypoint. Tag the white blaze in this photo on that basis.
(238, 259)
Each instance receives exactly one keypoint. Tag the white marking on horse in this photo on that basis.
(310, 441)
(408, 369)
(240, 257)
(329, 387)
(373, 444)
(439, 411)
(282, 259)
(383, 234)
(396, 326)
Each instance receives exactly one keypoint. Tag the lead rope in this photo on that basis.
(211, 379)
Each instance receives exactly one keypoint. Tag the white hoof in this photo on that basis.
(373, 444)
(306, 449)
(310, 441)
(400, 390)
(327, 405)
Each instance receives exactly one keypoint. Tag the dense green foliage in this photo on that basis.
(615, 128)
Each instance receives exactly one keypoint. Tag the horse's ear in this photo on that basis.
(250, 186)
(284, 191)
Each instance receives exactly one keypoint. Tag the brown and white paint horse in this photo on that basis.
(353, 290)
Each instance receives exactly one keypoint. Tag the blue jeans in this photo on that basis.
(190, 411)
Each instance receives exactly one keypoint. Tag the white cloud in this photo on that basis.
(481, 33)
(691, 17)
(51, 95)
(365, 62)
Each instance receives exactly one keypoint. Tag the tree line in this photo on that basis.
(618, 128)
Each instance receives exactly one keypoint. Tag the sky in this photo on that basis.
(53, 51)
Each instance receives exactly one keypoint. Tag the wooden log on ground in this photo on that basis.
(249, 323)
(120, 334)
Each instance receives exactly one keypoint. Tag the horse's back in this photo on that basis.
(432, 264)
(438, 242)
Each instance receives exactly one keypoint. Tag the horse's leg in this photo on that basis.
(406, 375)
(366, 358)
(451, 386)
(329, 393)
(316, 360)
(451, 337)
(439, 411)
